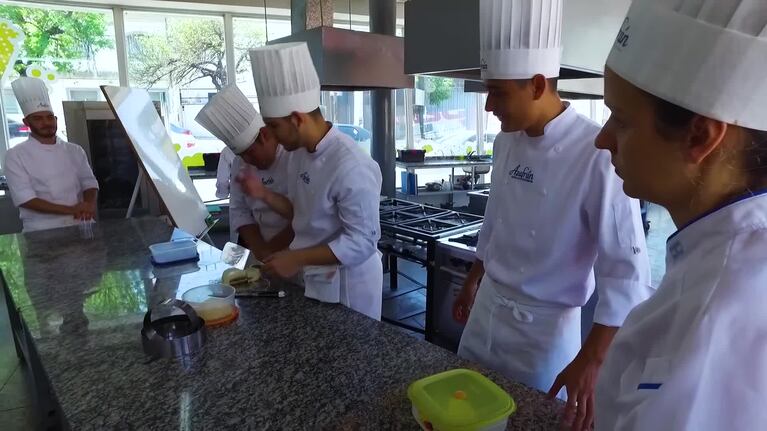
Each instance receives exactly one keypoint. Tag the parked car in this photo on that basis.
(17, 130)
(359, 134)
(189, 148)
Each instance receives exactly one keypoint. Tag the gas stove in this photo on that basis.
(438, 226)
(423, 211)
(459, 219)
(429, 226)
(469, 239)
(395, 204)
(396, 217)
(462, 245)
(478, 201)
(422, 222)
(406, 212)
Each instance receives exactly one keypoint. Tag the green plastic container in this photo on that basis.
(460, 400)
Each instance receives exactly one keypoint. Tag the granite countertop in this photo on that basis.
(290, 363)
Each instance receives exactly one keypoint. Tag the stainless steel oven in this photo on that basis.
(453, 259)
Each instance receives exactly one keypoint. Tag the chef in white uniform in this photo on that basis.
(334, 198)
(686, 85)
(50, 179)
(224, 173)
(232, 118)
(557, 222)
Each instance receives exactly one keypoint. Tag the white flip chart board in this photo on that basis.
(157, 157)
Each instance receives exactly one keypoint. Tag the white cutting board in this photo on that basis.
(159, 160)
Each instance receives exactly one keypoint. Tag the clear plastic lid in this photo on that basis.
(209, 293)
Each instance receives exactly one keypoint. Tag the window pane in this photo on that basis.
(350, 112)
(582, 107)
(400, 119)
(351, 15)
(492, 126)
(446, 117)
(79, 55)
(278, 14)
(602, 112)
(181, 59)
(250, 33)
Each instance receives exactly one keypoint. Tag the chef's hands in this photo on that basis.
(251, 185)
(84, 210)
(284, 264)
(464, 301)
(579, 379)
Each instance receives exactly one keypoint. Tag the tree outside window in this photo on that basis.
(74, 45)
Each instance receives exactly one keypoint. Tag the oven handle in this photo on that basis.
(454, 273)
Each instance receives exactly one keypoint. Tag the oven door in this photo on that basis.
(449, 277)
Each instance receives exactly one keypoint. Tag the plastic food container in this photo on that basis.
(173, 251)
(213, 302)
(460, 400)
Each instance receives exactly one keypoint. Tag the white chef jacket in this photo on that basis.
(557, 221)
(57, 173)
(694, 356)
(335, 202)
(224, 173)
(245, 210)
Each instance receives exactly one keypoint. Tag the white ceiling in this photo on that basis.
(359, 7)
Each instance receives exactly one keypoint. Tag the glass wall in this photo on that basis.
(248, 33)
(180, 59)
(71, 49)
(350, 112)
(445, 117)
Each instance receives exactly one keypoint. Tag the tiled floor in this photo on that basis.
(16, 411)
(407, 304)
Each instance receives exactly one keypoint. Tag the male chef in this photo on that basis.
(334, 197)
(50, 179)
(232, 118)
(557, 222)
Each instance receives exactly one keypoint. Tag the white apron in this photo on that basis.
(526, 340)
(358, 287)
(335, 197)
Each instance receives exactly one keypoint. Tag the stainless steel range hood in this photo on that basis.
(442, 37)
(354, 60)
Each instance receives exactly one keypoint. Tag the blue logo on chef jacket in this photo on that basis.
(305, 176)
(267, 181)
(522, 174)
(622, 40)
(483, 64)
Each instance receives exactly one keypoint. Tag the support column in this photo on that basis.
(383, 15)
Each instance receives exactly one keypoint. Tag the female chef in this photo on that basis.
(686, 85)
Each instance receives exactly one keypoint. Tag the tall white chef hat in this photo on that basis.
(286, 80)
(231, 117)
(520, 38)
(32, 95)
(708, 56)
